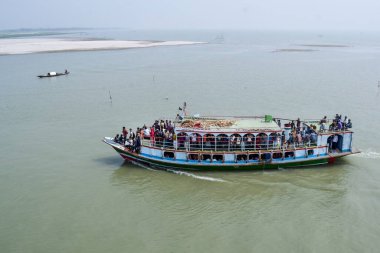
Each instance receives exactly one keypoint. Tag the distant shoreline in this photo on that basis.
(53, 45)
(293, 50)
(309, 48)
(322, 45)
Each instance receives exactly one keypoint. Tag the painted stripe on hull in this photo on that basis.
(198, 166)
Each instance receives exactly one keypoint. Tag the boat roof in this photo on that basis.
(227, 124)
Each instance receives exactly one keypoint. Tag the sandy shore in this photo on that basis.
(27, 46)
(322, 45)
(293, 50)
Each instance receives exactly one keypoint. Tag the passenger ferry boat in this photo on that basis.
(240, 143)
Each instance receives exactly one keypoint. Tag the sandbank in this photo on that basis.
(27, 46)
(322, 45)
(293, 50)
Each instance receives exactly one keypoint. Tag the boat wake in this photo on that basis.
(183, 173)
(369, 154)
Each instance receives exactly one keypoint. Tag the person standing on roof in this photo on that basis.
(124, 132)
(298, 124)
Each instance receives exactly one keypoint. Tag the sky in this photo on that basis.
(360, 15)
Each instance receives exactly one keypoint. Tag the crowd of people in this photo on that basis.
(300, 134)
(301, 137)
(337, 124)
(131, 140)
(161, 134)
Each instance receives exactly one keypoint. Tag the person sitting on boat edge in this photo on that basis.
(128, 144)
(120, 140)
(349, 124)
(116, 138)
(66, 72)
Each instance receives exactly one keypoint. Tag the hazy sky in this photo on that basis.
(193, 14)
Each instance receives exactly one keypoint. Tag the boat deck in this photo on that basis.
(228, 124)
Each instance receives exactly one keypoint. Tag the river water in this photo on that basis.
(63, 190)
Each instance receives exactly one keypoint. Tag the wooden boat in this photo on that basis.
(239, 143)
(53, 74)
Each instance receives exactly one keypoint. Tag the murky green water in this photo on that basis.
(63, 190)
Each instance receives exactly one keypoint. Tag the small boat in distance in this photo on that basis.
(52, 74)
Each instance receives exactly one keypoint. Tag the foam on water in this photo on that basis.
(212, 179)
(369, 154)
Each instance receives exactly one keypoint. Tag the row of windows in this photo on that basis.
(238, 157)
(244, 135)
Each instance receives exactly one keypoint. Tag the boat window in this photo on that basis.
(206, 157)
(262, 141)
(218, 158)
(195, 141)
(208, 142)
(193, 157)
(265, 156)
(289, 154)
(254, 157)
(168, 154)
(310, 152)
(249, 141)
(272, 140)
(277, 155)
(222, 142)
(241, 157)
(235, 142)
(181, 137)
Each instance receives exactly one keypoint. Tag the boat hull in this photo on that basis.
(58, 74)
(163, 163)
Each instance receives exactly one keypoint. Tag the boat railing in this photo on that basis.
(225, 146)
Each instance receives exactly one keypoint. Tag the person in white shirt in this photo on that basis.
(335, 142)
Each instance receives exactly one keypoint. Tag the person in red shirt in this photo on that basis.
(125, 133)
(152, 135)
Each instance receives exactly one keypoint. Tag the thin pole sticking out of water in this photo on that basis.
(109, 92)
